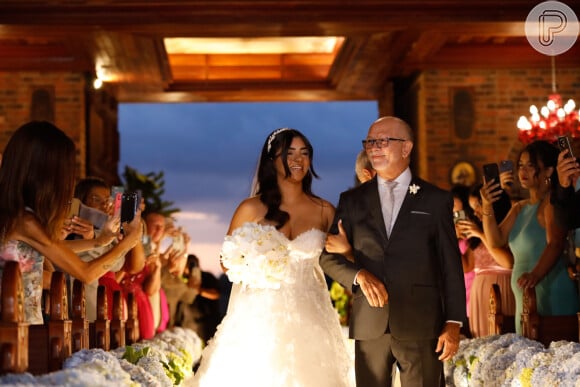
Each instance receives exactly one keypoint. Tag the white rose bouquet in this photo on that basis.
(256, 256)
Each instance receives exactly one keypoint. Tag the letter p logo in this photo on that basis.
(552, 28)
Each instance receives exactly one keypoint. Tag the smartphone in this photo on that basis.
(506, 165)
(117, 196)
(179, 243)
(75, 207)
(459, 215)
(129, 206)
(147, 248)
(563, 144)
(165, 244)
(491, 171)
(96, 217)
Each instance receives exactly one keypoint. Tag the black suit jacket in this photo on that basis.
(420, 264)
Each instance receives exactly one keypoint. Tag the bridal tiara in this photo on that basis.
(273, 136)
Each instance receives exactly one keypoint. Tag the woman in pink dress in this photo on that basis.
(491, 266)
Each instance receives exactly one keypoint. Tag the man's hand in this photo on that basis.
(373, 289)
(448, 341)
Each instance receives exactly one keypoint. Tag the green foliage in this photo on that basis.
(132, 355)
(152, 186)
(341, 301)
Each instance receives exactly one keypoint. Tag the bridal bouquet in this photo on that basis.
(256, 256)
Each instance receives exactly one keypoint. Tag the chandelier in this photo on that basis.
(550, 121)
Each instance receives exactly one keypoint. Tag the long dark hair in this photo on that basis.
(266, 184)
(37, 172)
(545, 152)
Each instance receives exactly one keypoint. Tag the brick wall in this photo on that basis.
(66, 95)
(500, 97)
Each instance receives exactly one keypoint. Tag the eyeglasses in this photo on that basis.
(379, 142)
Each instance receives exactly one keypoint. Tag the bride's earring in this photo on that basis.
(547, 180)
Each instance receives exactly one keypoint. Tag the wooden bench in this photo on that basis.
(132, 325)
(50, 343)
(13, 329)
(117, 332)
(80, 324)
(546, 329)
(498, 322)
(40, 349)
(100, 336)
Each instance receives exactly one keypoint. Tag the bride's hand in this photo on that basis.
(338, 243)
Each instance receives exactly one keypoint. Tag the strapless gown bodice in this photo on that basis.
(283, 334)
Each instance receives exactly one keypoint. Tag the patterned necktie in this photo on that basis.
(388, 204)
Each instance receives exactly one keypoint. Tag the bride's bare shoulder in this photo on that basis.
(249, 210)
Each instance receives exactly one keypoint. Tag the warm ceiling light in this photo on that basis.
(294, 45)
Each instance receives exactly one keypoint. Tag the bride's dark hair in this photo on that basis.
(265, 182)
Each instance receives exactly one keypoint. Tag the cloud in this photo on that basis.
(209, 151)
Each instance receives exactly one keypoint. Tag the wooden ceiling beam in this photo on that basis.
(220, 11)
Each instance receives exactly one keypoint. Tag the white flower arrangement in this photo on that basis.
(511, 360)
(256, 256)
(166, 360)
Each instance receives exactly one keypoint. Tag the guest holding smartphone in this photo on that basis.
(566, 198)
(36, 187)
(534, 237)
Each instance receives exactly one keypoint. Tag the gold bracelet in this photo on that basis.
(487, 213)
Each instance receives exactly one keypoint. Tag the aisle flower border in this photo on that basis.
(513, 360)
(165, 360)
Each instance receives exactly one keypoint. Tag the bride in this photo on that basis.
(280, 328)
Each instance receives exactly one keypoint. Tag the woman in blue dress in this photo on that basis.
(534, 237)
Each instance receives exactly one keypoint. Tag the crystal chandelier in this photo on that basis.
(552, 120)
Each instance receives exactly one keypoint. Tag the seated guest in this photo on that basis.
(36, 187)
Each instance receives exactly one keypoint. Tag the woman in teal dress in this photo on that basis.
(535, 239)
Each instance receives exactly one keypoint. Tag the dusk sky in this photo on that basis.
(209, 153)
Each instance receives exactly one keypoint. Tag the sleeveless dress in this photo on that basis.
(30, 262)
(488, 272)
(556, 293)
(281, 328)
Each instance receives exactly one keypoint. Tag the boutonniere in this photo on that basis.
(413, 189)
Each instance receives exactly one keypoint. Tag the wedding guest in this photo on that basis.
(280, 328)
(461, 205)
(363, 167)
(406, 275)
(535, 239)
(94, 193)
(202, 315)
(566, 198)
(177, 287)
(36, 187)
(491, 265)
(225, 288)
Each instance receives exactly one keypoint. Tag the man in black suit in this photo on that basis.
(403, 265)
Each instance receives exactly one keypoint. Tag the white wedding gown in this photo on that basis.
(289, 336)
